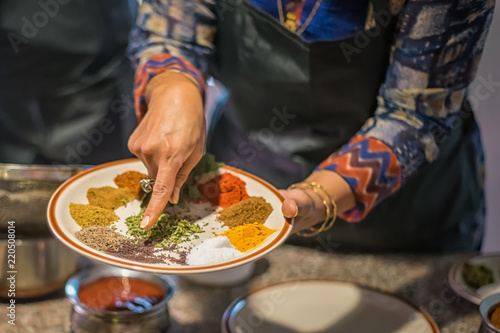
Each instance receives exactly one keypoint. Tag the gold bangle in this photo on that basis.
(332, 202)
(329, 202)
(313, 231)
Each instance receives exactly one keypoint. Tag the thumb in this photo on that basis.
(289, 208)
(297, 203)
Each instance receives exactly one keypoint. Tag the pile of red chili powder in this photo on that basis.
(224, 190)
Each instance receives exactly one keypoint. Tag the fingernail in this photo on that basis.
(296, 211)
(175, 197)
(145, 222)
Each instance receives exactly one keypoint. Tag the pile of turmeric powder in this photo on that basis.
(248, 236)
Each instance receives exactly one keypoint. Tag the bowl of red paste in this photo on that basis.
(119, 300)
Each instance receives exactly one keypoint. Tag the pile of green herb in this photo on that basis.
(168, 231)
(477, 276)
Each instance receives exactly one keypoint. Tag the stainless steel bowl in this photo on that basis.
(485, 308)
(85, 319)
(25, 191)
(42, 263)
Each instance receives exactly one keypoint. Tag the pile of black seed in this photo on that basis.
(145, 251)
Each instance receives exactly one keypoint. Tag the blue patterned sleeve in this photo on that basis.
(434, 58)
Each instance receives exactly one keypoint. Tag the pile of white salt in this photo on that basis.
(212, 251)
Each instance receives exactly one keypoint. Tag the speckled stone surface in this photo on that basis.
(421, 279)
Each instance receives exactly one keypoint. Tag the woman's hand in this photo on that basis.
(170, 139)
(306, 206)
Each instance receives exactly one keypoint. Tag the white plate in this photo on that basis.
(322, 306)
(457, 282)
(75, 189)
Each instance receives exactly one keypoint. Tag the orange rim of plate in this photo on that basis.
(63, 237)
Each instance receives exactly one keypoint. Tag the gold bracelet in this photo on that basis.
(332, 202)
(313, 231)
(330, 218)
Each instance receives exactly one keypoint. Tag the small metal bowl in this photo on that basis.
(85, 319)
(485, 308)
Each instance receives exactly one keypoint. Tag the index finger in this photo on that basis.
(162, 191)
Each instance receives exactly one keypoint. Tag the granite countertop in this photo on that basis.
(421, 279)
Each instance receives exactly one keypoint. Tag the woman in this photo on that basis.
(365, 99)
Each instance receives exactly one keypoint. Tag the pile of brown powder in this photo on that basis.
(109, 197)
(101, 238)
(131, 180)
(89, 215)
(251, 210)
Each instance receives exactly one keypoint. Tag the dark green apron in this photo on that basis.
(65, 81)
(292, 103)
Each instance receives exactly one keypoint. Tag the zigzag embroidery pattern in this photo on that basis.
(156, 65)
(370, 168)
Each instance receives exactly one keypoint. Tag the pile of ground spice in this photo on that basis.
(224, 190)
(190, 190)
(495, 317)
(168, 231)
(248, 236)
(89, 215)
(101, 238)
(251, 210)
(144, 251)
(109, 197)
(131, 180)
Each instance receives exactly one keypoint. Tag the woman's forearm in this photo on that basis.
(336, 187)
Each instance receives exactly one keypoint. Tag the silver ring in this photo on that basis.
(147, 184)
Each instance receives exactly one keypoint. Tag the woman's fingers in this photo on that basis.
(162, 192)
(183, 174)
(300, 204)
(165, 145)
